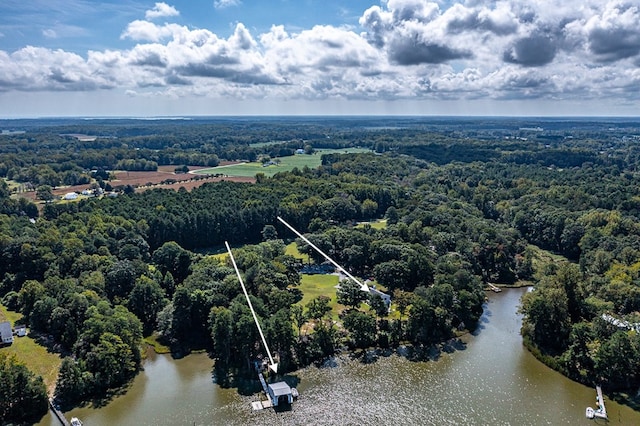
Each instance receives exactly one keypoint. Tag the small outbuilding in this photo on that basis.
(280, 393)
(71, 196)
(6, 333)
(21, 330)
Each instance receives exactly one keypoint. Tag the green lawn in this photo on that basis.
(316, 285)
(36, 357)
(158, 347)
(292, 250)
(313, 286)
(378, 224)
(286, 164)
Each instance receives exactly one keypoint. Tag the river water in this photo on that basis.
(489, 380)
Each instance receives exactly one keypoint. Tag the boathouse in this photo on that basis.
(280, 393)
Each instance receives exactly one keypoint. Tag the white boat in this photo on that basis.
(75, 421)
(590, 413)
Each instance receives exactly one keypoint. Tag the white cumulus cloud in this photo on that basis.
(221, 4)
(148, 31)
(161, 10)
(414, 50)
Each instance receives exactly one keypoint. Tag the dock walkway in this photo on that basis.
(601, 411)
(264, 383)
(494, 288)
(59, 414)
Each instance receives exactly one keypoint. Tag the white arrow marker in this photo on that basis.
(363, 286)
(273, 365)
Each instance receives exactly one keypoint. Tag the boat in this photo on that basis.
(75, 421)
(590, 413)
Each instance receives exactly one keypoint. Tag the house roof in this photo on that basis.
(279, 389)
(5, 329)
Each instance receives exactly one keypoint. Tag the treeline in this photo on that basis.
(23, 396)
(213, 213)
(51, 155)
(48, 153)
(579, 312)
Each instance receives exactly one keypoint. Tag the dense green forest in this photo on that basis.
(466, 203)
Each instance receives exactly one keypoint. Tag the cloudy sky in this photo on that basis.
(273, 57)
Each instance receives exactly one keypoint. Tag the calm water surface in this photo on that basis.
(491, 381)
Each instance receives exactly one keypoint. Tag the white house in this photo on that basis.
(6, 333)
(384, 296)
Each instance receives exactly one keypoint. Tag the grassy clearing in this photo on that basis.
(12, 184)
(542, 257)
(36, 357)
(6, 315)
(158, 347)
(292, 250)
(316, 285)
(313, 286)
(222, 257)
(286, 164)
(378, 224)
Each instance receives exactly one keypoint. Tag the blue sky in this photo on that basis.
(234, 57)
(80, 25)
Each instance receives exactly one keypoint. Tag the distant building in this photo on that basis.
(71, 196)
(384, 296)
(6, 334)
(626, 325)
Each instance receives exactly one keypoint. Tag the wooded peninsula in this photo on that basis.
(432, 211)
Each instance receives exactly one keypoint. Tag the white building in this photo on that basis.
(71, 196)
(384, 296)
(6, 333)
(280, 393)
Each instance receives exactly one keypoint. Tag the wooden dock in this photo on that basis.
(261, 405)
(494, 288)
(58, 414)
(263, 383)
(601, 411)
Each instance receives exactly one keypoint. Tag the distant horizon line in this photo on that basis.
(332, 116)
